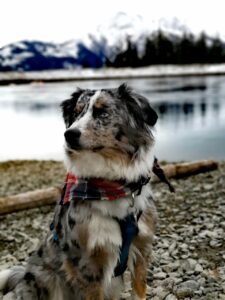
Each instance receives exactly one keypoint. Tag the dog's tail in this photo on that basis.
(9, 278)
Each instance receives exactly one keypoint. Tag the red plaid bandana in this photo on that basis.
(98, 189)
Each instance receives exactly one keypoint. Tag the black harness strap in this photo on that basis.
(161, 175)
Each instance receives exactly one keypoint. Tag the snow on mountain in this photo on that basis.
(118, 29)
(122, 26)
(37, 56)
(33, 55)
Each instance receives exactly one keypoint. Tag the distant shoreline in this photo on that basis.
(7, 78)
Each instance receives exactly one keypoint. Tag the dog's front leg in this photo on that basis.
(139, 279)
(88, 276)
(94, 291)
(93, 273)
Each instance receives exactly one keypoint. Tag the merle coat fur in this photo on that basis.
(109, 136)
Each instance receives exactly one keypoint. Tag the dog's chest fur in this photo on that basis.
(84, 225)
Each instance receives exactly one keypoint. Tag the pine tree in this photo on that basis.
(184, 49)
(149, 57)
(164, 49)
(201, 49)
(127, 58)
(217, 51)
(161, 49)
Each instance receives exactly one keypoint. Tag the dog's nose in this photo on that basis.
(72, 137)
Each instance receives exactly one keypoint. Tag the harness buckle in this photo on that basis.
(133, 199)
(132, 209)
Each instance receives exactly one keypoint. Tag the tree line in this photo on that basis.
(162, 49)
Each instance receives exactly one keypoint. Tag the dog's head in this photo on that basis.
(108, 129)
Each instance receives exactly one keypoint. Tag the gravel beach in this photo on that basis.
(189, 250)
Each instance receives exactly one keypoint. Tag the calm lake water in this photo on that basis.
(191, 117)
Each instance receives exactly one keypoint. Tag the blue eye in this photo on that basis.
(104, 115)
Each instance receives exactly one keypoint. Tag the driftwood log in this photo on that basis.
(50, 195)
(28, 200)
(188, 168)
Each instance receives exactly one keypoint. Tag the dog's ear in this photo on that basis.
(149, 114)
(68, 107)
(138, 104)
(124, 91)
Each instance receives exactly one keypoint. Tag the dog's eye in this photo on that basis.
(100, 113)
(79, 107)
(104, 114)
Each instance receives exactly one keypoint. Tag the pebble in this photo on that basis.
(214, 243)
(171, 297)
(189, 265)
(160, 293)
(198, 268)
(9, 296)
(171, 267)
(160, 275)
(168, 284)
(172, 247)
(201, 281)
(187, 289)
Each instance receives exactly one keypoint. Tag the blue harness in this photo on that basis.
(129, 229)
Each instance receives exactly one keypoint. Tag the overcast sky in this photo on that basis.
(61, 20)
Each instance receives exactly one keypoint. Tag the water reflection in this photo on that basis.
(184, 88)
(175, 108)
(191, 116)
(203, 108)
(30, 107)
(185, 110)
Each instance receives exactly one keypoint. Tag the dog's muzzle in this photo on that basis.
(72, 137)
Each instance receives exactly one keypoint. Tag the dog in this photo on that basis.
(105, 221)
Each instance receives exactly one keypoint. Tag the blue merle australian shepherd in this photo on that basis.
(105, 220)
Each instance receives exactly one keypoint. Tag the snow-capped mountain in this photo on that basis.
(118, 29)
(37, 56)
(92, 51)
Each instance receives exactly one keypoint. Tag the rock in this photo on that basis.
(165, 255)
(171, 267)
(171, 297)
(172, 247)
(214, 243)
(201, 281)
(208, 186)
(160, 275)
(9, 296)
(189, 265)
(198, 268)
(186, 289)
(160, 293)
(185, 256)
(175, 277)
(168, 284)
